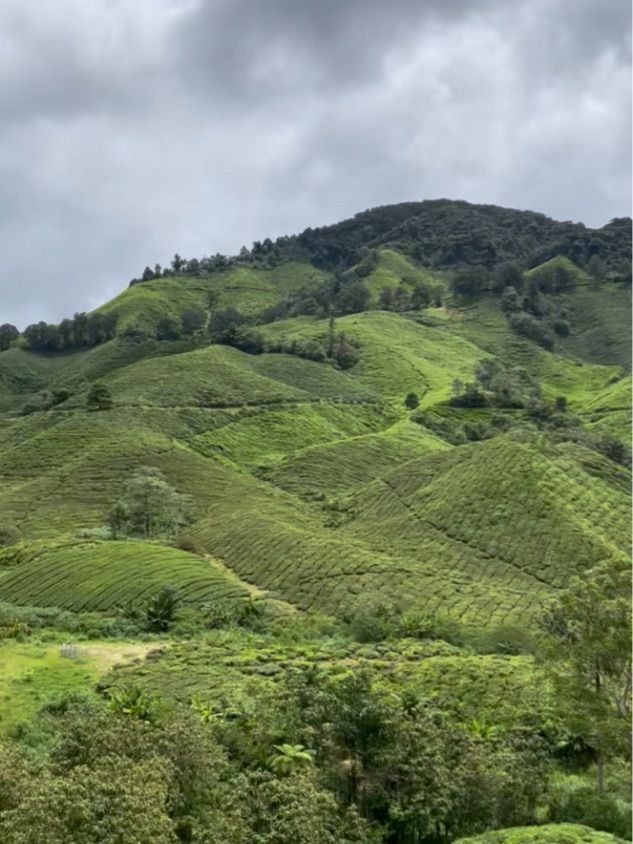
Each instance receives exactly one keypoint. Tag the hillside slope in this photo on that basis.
(308, 474)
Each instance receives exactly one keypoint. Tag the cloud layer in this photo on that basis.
(132, 129)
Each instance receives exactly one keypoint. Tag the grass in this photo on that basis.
(35, 673)
(397, 355)
(99, 576)
(393, 269)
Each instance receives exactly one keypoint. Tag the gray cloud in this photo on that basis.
(131, 130)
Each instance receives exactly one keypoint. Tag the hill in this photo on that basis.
(361, 498)
(308, 474)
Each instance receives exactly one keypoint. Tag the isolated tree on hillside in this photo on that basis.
(149, 506)
(385, 299)
(167, 328)
(99, 397)
(192, 320)
(411, 401)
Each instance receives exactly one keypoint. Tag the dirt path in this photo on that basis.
(106, 654)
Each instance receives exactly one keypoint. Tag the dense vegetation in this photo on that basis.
(350, 514)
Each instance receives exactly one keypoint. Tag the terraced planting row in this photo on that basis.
(397, 355)
(254, 436)
(142, 305)
(543, 515)
(281, 545)
(101, 575)
(349, 464)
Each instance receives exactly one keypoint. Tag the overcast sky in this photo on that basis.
(132, 129)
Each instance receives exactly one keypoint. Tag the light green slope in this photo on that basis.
(251, 290)
(80, 576)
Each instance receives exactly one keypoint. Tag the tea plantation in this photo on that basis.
(347, 491)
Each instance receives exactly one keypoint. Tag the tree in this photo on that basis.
(118, 520)
(290, 759)
(385, 299)
(161, 609)
(411, 401)
(192, 320)
(470, 282)
(344, 354)
(8, 333)
(115, 800)
(80, 329)
(505, 275)
(294, 809)
(596, 267)
(510, 300)
(352, 298)
(223, 325)
(99, 397)
(149, 505)
(562, 279)
(167, 328)
(587, 653)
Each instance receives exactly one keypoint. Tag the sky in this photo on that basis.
(134, 129)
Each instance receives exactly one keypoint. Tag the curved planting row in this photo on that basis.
(101, 575)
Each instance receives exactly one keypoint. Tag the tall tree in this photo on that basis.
(8, 333)
(587, 653)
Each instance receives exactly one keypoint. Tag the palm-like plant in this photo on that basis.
(290, 759)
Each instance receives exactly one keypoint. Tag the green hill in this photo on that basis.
(308, 475)
(365, 458)
(89, 576)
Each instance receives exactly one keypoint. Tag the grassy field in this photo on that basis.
(36, 673)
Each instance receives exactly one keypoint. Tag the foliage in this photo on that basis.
(149, 506)
(587, 653)
(8, 333)
(411, 401)
(161, 609)
(99, 397)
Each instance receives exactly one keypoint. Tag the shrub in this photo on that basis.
(599, 811)
(99, 397)
(374, 621)
(530, 327)
(9, 534)
(161, 610)
(561, 327)
(505, 638)
(411, 401)
(420, 624)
